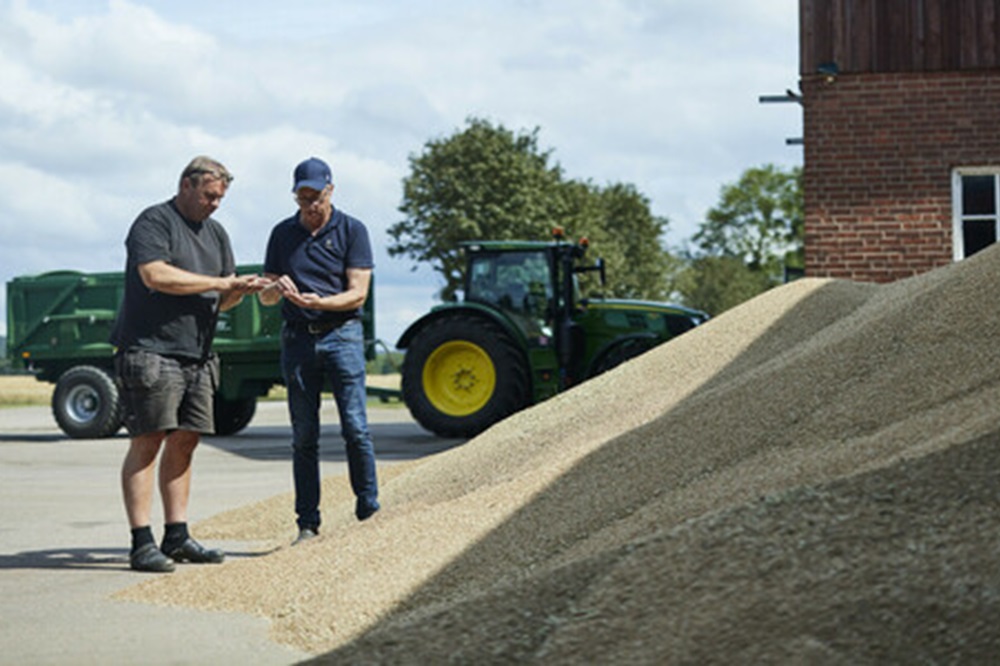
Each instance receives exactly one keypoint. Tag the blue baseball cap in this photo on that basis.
(314, 173)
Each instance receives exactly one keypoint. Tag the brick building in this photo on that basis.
(901, 128)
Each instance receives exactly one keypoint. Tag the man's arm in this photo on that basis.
(161, 276)
(352, 298)
(230, 299)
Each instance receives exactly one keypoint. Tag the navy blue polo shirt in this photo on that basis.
(318, 264)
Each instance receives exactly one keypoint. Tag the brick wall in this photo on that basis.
(879, 154)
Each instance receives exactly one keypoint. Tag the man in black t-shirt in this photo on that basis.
(179, 274)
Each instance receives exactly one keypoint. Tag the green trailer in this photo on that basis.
(58, 325)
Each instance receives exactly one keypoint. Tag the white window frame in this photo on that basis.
(958, 216)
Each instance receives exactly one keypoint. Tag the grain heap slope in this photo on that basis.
(811, 475)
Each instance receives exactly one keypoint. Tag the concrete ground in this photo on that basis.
(64, 539)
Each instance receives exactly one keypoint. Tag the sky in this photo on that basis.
(102, 104)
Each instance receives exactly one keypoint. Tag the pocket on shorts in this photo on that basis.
(138, 369)
(212, 367)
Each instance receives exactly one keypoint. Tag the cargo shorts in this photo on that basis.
(164, 393)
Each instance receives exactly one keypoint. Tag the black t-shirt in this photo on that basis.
(167, 324)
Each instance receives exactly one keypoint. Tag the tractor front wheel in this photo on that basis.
(462, 374)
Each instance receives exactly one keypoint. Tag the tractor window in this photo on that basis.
(518, 282)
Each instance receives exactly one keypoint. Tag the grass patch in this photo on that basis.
(23, 391)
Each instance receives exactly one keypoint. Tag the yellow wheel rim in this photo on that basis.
(459, 378)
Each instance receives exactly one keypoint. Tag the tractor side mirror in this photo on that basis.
(598, 267)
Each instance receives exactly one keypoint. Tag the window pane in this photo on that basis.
(978, 234)
(977, 195)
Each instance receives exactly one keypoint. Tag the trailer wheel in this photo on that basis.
(462, 374)
(86, 403)
(231, 416)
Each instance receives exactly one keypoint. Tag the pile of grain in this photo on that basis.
(812, 476)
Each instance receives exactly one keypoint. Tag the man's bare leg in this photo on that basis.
(137, 478)
(175, 474)
(137, 490)
(175, 487)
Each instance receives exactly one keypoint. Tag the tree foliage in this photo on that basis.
(747, 241)
(486, 182)
(716, 284)
(759, 220)
(636, 258)
(483, 183)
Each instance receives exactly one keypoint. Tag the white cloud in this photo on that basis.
(130, 55)
(101, 105)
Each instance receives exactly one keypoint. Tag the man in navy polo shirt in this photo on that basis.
(320, 261)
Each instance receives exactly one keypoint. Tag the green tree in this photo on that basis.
(746, 242)
(627, 235)
(759, 220)
(487, 182)
(716, 284)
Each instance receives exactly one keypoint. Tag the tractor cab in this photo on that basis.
(519, 282)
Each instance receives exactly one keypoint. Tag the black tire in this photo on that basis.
(462, 374)
(621, 351)
(86, 403)
(231, 416)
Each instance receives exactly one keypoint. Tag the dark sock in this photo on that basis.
(174, 535)
(141, 536)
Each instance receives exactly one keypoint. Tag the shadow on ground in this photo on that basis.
(91, 559)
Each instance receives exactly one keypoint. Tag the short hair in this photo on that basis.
(203, 167)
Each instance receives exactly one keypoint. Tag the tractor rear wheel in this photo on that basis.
(462, 374)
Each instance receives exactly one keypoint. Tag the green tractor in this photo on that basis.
(521, 334)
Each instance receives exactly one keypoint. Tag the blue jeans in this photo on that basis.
(308, 361)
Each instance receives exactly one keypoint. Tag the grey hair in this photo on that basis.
(205, 167)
